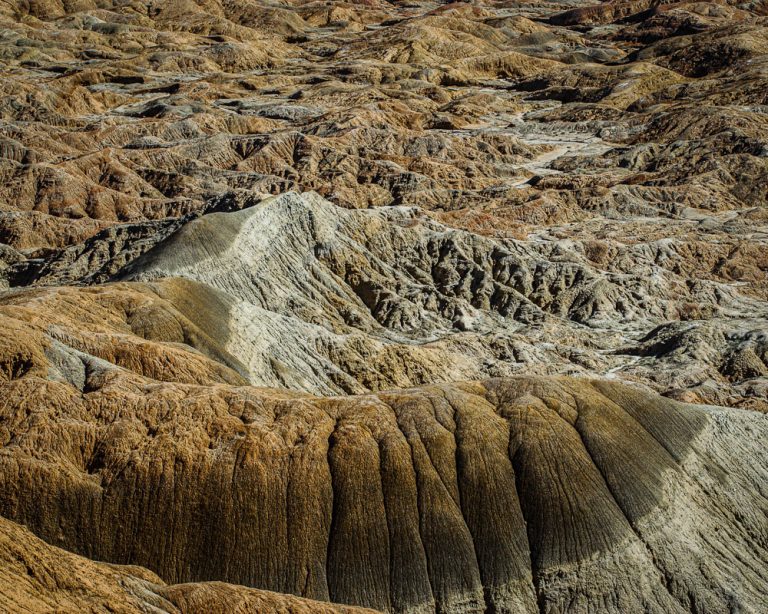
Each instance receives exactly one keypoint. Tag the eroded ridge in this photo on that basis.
(520, 493)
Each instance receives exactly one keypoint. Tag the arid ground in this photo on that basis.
(315, 306)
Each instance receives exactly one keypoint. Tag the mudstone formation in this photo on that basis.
(409, 307)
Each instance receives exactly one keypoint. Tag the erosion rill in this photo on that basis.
(408, 307)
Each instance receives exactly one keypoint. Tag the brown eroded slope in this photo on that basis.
(38, 578)
(518, 493)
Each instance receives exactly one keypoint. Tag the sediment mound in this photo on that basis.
(508, 494)
(36, 577)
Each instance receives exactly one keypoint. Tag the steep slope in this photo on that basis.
(38, 578)
(509, 494)
(337, 296)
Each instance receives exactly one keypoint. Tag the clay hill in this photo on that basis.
(36, 577)
(313, 307)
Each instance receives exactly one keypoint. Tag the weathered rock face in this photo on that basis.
(295, 292)
(608, 160)
(505, 494)
(475, 219)
(36, 577)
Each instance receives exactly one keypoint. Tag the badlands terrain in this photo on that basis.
(318, 306)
